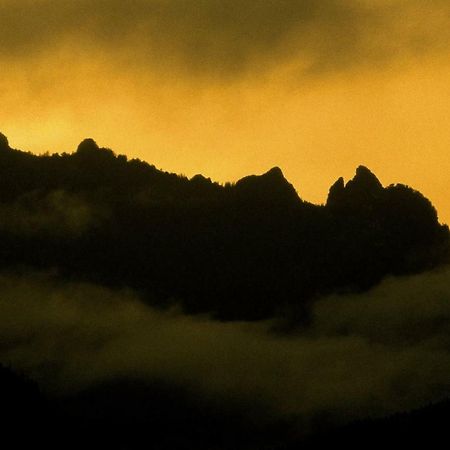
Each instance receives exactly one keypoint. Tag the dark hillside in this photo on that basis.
(248, 250)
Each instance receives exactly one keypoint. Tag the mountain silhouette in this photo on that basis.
(4, 145)
(359, 192)
(249, 250)
(270, 187)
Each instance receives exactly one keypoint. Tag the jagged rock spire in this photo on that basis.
(336, 193)
(364, 180)
(361, 189)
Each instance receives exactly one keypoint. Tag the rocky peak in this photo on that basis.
(275, 173)
(4, 144)
(271, 186)
(359, 192)
(364, 181)
(336, 193)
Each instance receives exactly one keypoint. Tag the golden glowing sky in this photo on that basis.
(228, 88)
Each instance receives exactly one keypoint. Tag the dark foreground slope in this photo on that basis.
(131, 415)
(422, 428)
(247, 250)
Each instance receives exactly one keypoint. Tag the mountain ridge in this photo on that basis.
(246, 250)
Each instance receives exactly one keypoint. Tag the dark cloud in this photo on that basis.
(228, 37)
(363, 354)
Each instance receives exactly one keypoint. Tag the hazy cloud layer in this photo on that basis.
(228, 37)
(363, 354)
(56, 213)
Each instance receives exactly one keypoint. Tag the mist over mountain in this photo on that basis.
(114, 372)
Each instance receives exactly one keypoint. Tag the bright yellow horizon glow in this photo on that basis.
(393, 120)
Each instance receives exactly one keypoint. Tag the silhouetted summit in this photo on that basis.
(275, 173)
(4, 144)
(88, 146)
(336, 193)
(246, 251)
(358, 193)
(271, 186)
(365, 181)
(90, 153)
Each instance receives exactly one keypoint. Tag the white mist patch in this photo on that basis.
(374, 353)
(56, 213)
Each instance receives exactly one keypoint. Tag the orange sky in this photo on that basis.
(341, 87)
